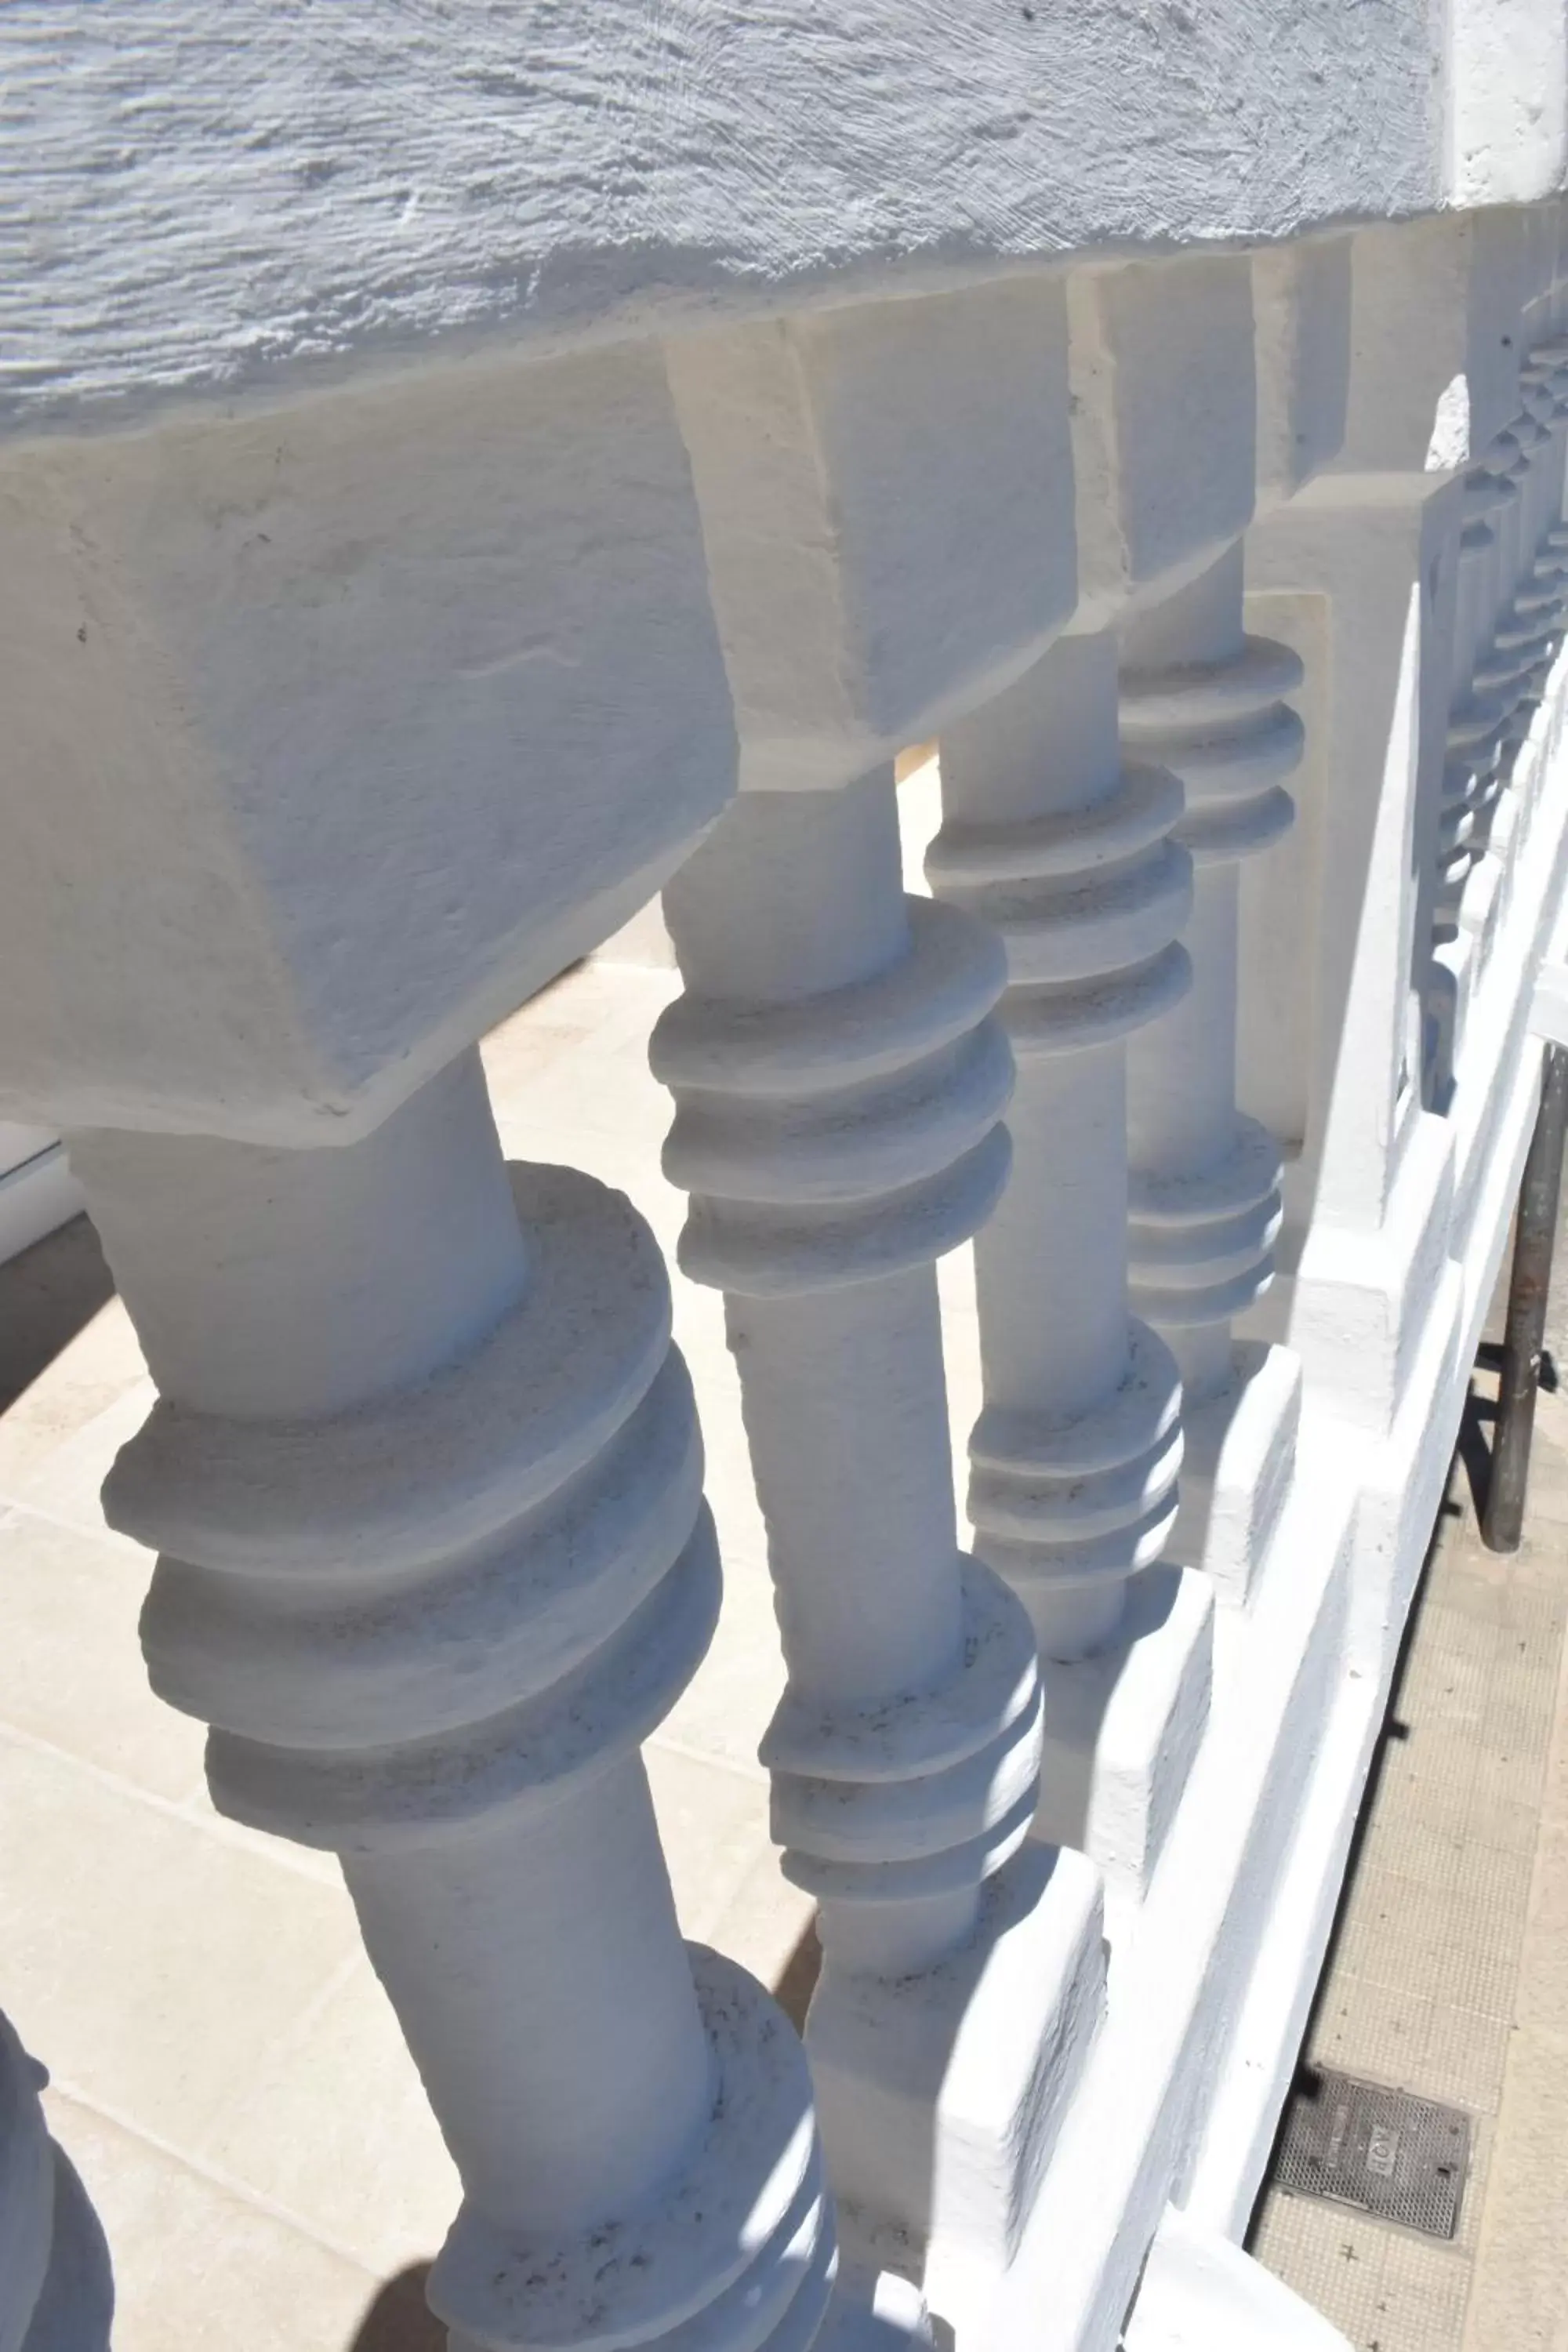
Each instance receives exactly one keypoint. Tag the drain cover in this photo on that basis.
(1399, 2157)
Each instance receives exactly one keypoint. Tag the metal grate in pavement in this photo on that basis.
(1399, 2157)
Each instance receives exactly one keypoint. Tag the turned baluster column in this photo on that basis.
(57, 2293)
(840, 1078)
(1531, 628)
(1068, 853)
(426, 1481)
(1545, 378)
(1204, 699)
(1544, 381)
(1479, 712)
(1527, 592)
(1500, 685)
(1507, 460)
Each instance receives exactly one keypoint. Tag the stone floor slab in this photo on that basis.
(1430, 1984)
(70, 1667)
(211, 2267)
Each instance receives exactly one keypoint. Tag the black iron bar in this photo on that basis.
(1502, 1520)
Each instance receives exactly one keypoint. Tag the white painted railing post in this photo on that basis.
(841, 1076)
(57, 2293)
(425, 1479)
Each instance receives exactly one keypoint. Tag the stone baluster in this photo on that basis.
(1534, 624)
(1256, 348)
(1502, 623)
(1544, 485)
(1529, 627)
(1545, 379)
(1543, 382)
(840, 1079)
(423, 1474)
(1502, 672)
(425, 1480)
(1512, 456)
(57, 2293)
(1529, 631)
(1509, 668)
(1205, 699)
(1068, 853)
(1478, 719)
(1547, 367)
(1064, 845)
(1511, 252)
(840, 1076)
(886, 495)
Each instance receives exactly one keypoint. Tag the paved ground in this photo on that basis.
(1447, 1974)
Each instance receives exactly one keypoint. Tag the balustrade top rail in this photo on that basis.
(205, 194)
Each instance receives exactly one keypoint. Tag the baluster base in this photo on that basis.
(940, 2097)
(875, 2311)
(1238, 1468)
(736, 2251)
(1123, 1727)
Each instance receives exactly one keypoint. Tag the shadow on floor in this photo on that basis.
(1474, 1444)
(798, 1981)
(47, 1295)
(400, 2320)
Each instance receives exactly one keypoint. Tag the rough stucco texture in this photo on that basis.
(201, 193)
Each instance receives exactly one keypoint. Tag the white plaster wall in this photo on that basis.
(205, 193)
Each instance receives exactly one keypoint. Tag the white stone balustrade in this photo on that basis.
(517, 475)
